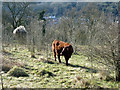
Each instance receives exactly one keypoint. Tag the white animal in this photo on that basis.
(20, 35)
(20, 29)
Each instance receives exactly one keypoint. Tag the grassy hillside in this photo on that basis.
(43, 73)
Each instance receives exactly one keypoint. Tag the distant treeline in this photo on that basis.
(59, 8)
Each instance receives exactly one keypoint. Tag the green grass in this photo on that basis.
(43, 73)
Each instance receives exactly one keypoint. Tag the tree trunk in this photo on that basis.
(33, 47)
(117, 71)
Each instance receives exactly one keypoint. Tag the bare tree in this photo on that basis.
(103, 39)
(18, 11)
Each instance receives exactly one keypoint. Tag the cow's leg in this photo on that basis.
(59, 58)
(66, 59)
(54, 53)
(67, 62)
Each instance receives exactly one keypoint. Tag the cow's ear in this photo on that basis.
(71, 48)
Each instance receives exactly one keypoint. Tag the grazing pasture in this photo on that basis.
(46, 73)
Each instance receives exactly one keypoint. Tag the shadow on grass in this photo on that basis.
(49, 62)
(91, 70)
(49, 74)
(7, 53)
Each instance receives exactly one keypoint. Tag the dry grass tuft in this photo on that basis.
(104, 75)
(17, 72)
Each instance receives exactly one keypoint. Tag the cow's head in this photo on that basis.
(67, 49)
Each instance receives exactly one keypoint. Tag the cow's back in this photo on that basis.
(58, 44)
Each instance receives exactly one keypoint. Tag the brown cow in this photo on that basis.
(62, 49)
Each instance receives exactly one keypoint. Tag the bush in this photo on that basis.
(17, 72)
